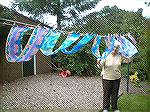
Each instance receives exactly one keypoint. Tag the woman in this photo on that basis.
(111, 74)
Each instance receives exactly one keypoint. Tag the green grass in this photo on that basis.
(134, 103)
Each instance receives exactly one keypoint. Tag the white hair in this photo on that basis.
(117, 43)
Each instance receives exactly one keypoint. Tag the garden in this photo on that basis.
(82, 90)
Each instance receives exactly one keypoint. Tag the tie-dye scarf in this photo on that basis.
(79, 45)
(14, 52)
(109, 43)
(49, 43)
(127, 49)
(45, 39)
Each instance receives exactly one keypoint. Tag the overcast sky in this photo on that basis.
(131, 5)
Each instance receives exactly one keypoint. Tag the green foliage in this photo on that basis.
(57, 8)
(148, 49)
(4, 12)
(113, 20)
(134, 103)
(108, 20)
(81, 63)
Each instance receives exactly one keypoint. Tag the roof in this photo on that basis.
(15, 16)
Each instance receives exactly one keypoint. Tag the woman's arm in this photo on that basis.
(125, 60)
(100, 63)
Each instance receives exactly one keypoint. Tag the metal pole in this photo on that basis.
(12, 21)
(18, 22)
(22, 69)
(128, 77)
(6, 24)
(34, 64)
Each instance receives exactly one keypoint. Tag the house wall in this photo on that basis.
(12, 71)
(8, 71)
(42, 66)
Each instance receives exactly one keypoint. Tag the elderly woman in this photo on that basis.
(111, 74)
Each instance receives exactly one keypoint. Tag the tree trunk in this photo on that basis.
(59, 15)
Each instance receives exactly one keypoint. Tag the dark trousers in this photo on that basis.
(110, 93)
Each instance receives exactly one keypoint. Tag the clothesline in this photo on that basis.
(49, 38)
(39, 25)
(44, 39)
(17, 22)
(3, 23)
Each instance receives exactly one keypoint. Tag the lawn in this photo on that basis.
(134, 103)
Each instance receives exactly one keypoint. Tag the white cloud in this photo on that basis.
(5, 2)
(131, 5)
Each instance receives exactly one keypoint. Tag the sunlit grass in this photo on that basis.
(134, 103)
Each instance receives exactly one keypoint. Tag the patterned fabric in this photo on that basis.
(14, 52)
(45, 39)
(132, 39)
(49, 44)
(95, 47)
(109, 49)
(110, 45)
(79, 45)
(13, 43)
(127, 49)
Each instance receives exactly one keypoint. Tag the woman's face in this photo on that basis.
(115, 50)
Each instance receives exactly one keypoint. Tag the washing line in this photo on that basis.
(39, 25)
(19, 22)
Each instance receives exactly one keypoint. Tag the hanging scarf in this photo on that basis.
(132, 39)
(49, 43)
(79, 45)
(34, 44)
(127, 49)
(95, 47)
(110, 40)
(14, 52)
(47, 47)
(13, 42)
(45, 39)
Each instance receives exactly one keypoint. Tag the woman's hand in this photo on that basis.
(125, 60)
(100, 63)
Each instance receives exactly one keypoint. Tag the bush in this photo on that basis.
(81, 63)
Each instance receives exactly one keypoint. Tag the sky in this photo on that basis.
(130, 5)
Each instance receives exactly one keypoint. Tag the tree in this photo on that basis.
(148, 48)
(57, 8)
(114, 20)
